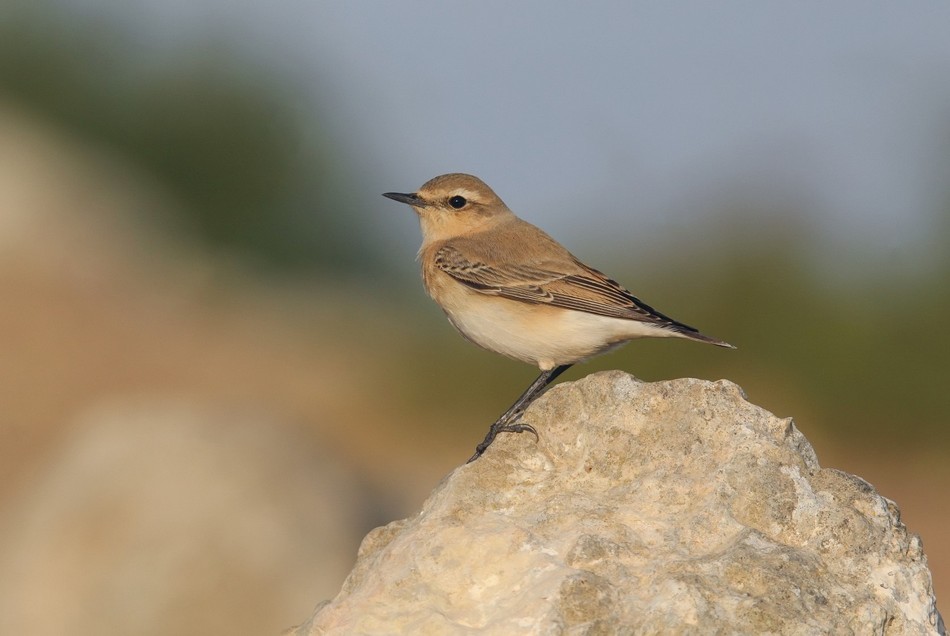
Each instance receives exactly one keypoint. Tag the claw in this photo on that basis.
(499, 427)
(520, 428)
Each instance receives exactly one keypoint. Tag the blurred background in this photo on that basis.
(218, 368)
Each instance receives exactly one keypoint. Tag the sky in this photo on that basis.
(634, 117)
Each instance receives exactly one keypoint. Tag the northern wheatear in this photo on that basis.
(512, 289)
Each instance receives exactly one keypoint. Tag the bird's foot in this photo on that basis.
(501, 427)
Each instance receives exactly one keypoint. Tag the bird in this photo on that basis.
(510, 288)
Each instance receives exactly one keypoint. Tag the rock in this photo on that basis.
(666, 507)
(164, 515)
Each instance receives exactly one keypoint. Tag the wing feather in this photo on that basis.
(584, 289)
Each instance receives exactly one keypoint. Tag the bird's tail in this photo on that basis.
(695, 335)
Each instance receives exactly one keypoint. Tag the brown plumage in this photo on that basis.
(512, 289)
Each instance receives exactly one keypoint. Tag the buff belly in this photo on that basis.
(537, 334)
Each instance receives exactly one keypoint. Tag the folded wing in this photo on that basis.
(581, 289)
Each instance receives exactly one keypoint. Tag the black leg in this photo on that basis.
(504, 423)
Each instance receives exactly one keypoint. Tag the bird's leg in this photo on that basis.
(504, 423)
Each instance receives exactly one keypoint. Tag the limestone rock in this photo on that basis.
(667, 507)
(164, 515)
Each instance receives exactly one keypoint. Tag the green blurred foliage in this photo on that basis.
(862, 354)
(239, 146)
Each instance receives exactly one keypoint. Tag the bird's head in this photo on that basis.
(453, 205)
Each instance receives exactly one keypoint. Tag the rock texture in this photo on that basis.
(667, 507)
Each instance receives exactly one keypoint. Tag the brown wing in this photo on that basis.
(585, 289)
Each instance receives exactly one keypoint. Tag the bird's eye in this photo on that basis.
(457, 202)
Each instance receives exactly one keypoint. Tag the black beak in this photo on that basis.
(409, 199)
